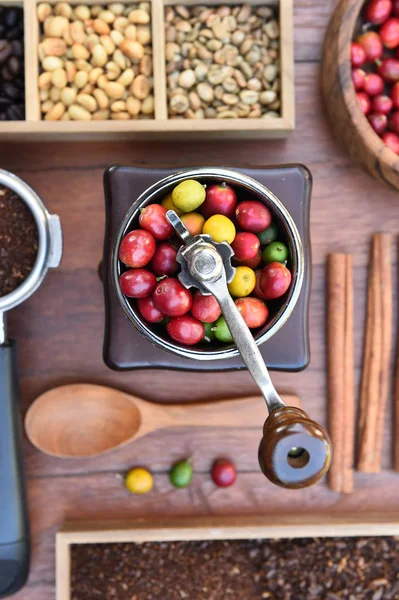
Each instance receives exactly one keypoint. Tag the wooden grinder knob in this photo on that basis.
(295, 452)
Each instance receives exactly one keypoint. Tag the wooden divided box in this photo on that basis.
(199, 528)
(160, 124)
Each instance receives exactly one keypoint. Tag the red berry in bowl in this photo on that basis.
(171, 297)
(391, 139)
(205, 308)
(381, 104)
(137, 248)
(137, 283)
(245, 245)
(389, 70)
(377, 11)
(396, 8)
(164, 260)
(378, 122)
(186, 330)
(394, 122)
(373, 84)
(389, 33)
(253, 216)
(257, 291)
(253, 310)
(395, 95)
(371, 43)
(223, 472)
(153, 219)
(358, 76)
(358, 55)
(364, 102)
(275, 279)
(148, 310)
(220, 199)
(252, 263)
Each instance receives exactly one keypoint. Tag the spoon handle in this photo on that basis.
(242, 412)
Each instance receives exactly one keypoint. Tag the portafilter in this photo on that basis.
(14, 527)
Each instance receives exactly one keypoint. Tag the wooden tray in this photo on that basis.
(212, 528)
(33, 128)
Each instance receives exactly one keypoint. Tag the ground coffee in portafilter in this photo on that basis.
(18, 241)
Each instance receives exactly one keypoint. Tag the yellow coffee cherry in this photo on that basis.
(167, 203)
(220, 228)
(139, 481)
(243, 283)
(188, 195)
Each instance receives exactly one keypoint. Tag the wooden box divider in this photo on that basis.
(161, 126)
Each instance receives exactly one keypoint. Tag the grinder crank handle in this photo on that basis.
(294, 451)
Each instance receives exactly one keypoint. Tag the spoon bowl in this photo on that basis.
(84, 420)
(81, 420)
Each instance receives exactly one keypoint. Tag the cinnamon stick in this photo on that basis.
(340, 371)
(377, 353)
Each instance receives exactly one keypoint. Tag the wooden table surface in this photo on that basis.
(60, 329)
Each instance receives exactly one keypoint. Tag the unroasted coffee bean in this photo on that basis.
(224, 56)
(12, 80)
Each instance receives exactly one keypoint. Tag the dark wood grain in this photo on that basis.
(60, 329)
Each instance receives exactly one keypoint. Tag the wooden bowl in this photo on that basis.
(347, 121)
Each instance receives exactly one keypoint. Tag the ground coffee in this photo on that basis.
(302, 569)
(18, 241)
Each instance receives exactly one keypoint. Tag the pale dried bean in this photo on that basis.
(112, 71)
(143, 34)
(108, 43)
(118, 106)
(55, 113)
(55, 94)
(59, 78)
(47, 105)
(146, 65)
(120, 116)
(147, 105)
(131, 49)
(82, 12)
(80, 79)
(133, 106)
(68, 96)
(114, 90)
(139, 17)
(100, 115)
(140, 87)
(101, 98)
(53, 46)
(55, 26)
(45, 80)
(126, 77)
(87, 101)
(78, 113)
(50, 63)
(43, 11)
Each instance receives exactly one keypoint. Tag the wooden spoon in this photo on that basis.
(84, 420)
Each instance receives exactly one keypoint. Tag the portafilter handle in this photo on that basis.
(294, 451)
